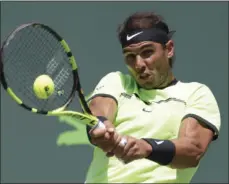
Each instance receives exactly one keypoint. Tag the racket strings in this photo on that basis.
(30, 54)
(27, 49)
(20, 59)
(34, 59)
(33, 52)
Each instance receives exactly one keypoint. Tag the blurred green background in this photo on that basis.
(39, 149)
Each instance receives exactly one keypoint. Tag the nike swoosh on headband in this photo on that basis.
(132, 36)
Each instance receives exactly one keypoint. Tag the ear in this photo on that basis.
(170, 48)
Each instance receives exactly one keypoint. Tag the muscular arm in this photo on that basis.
(190, 146)
(104, 106)
(192, 143)
(106, 139)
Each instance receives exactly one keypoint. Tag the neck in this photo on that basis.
(169, 79)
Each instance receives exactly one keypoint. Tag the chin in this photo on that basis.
(146, 85)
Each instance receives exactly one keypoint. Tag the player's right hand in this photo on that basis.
(106, 139)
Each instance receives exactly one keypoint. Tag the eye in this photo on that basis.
(130, 58)
(146, 53)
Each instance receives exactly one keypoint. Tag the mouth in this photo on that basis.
(143, 76)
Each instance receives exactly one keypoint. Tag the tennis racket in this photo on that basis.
(40, 73)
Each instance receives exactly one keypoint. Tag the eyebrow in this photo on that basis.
(140, 48)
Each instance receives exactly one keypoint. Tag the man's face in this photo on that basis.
(148, 63)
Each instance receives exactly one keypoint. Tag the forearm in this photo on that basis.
(105, 139)
(187, 153)
(191, 144)
(178, 153)
(187, 150)
(103, 106)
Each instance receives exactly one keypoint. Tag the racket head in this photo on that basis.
(32, 50)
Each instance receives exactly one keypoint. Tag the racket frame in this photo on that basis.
(86, 115)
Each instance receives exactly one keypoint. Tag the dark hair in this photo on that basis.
(142, 20)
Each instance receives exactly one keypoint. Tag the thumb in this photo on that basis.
(98, 132)
(111, 130)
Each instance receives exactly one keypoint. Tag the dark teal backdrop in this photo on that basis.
(29, 152)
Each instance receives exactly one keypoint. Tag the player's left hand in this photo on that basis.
(133, 150)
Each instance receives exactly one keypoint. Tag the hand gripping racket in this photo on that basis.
(39, 72)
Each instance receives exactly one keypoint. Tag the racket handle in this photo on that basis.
(99, 125)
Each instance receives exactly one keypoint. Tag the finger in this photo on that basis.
(111, 130)
(128, 155)
(98, 132)
(129, 151)
(113, 140)
(107, 136)
(123, 141)
(117, 139)
(119, 149)
(100, 140)
(128, 148)
(126, 161)
(106, 142)
(103, 145)
(110, 154)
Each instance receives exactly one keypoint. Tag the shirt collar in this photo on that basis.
(147, 95)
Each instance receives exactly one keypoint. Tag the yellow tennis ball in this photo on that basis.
(43, 87)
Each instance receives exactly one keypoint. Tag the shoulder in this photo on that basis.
(191, 88)
(191, 91)
(117, 77)
(190, 85)
(112, 84)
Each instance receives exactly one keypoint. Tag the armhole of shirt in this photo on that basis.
(208, 124)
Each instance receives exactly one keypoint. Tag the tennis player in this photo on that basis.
(168, 124)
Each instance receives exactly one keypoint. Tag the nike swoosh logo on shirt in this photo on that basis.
(132, 36)
(147, 109)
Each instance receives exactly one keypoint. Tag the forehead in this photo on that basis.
(140, 45)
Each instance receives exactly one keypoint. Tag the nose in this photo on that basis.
(140, 64)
